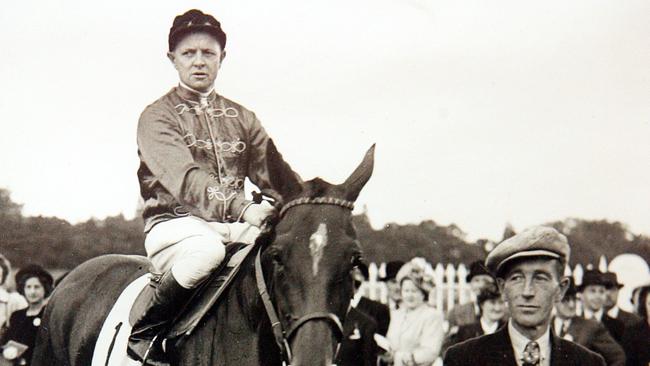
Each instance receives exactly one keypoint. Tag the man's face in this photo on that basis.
(197, 58)
(531, 288)
(593, 297)
(479, 282)
(566, 309)
(394, 291)
(611, 297)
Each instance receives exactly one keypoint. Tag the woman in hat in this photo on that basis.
(9, 301)
(415, 332)
(35, 284)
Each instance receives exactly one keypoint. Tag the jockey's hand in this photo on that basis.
(255, 214)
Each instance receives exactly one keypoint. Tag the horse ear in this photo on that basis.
(284, 181)
(360, 176)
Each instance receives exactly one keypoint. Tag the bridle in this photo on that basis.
(282, 336)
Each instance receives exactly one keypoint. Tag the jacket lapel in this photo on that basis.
(558, 353)
(500, 353)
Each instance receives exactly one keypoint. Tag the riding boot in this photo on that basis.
(165, 303)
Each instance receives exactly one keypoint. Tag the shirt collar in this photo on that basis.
(193, 95)
(488, 328)
(613, 312)
(559, 324)
(594, 315)
(519, 342)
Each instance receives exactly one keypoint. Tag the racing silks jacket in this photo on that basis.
(195, 153)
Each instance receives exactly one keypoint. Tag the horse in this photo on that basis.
(285, 305)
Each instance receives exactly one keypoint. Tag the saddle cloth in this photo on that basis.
(110, 349)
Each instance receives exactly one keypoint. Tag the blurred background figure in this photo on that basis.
(9, 301)
(612, 286)
(593, 296)
(35, 284)
(358, 347)
(637, 338)
(492, 313)
(586, 332)
(375, 309)
(468, 313)
(415, 333)
(394, 294)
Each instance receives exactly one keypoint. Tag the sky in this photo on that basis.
(484, 113)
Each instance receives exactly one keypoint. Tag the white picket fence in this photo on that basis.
(451, 285)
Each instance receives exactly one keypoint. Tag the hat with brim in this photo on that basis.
(477, 268)
(535, 242)
(392, 268)
(591, 278)
(611, 280)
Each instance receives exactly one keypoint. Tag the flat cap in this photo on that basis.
(537, 241)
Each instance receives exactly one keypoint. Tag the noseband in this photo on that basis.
(283, 337)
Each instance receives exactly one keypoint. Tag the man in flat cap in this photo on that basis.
(196, 148)
(529, 269)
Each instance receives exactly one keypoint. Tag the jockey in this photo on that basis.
(196, 148)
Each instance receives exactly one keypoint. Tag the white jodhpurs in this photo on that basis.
(191, 247)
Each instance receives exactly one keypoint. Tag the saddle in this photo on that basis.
(204, 296)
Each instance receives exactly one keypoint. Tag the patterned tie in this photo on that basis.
(531, 354)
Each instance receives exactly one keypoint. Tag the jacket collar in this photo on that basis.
(194, 96)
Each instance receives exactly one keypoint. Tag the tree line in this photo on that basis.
(55, 243)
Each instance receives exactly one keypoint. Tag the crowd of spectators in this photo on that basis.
(418, 334)
(407, 330)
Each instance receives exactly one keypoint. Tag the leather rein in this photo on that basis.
(282, 336)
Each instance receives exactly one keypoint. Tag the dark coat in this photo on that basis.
(358, 347)
(637, 344)
(462, 314)
(593, 335)
(377, 311)
(629, 319)
(496, 350)
(465, 332)
(615, 327)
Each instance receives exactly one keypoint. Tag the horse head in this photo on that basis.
(308, 263)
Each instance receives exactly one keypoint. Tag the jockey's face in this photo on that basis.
(197, 58)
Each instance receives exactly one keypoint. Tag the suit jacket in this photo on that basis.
(593, 335)
(496, 350)
(465, 332)
(629, 319)
(358, 347)
(462, 314)
(637, 344)
(615, 327)
(377, 311)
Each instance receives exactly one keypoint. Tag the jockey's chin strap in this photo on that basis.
(282, 337)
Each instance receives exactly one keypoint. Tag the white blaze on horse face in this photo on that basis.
(317, 243)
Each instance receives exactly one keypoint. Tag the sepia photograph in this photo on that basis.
(351, 183)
